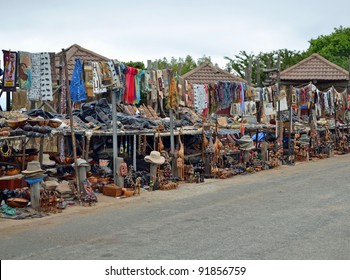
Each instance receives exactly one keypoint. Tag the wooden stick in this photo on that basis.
(71, 121)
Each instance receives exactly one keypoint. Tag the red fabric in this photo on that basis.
(129, 95)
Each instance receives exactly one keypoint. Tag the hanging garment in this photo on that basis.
(77, 89)
(25, 70)
(97, 79)
(129, 95)
(10, 71)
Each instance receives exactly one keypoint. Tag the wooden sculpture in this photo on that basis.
(160, 142)
(181, 159)
(217, 148)
(138, 186)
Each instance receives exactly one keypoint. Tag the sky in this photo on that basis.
(136, 30)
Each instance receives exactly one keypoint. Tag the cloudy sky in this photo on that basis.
(151, 29)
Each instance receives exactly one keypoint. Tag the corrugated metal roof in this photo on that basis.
(208, 74)
(315, 67)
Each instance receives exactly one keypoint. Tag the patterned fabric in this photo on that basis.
(98, 88)
(63, 100)
(41, 88)
(160, 86)
(200, 99)
(116, 80)
(88, 79)
(10, 71)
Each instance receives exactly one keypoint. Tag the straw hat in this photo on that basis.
(155, 158)
(47, 161)
(33, 167)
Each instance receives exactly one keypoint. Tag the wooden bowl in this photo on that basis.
(54, 123)
(17, 122)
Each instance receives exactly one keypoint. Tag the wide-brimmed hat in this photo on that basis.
(47, 161)
(83, 162)
(33, 167)
(155, 158)
(246, 143)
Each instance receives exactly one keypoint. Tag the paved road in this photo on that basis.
(299, 212)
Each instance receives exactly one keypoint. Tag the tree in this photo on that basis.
(335, 47)
(240, 63)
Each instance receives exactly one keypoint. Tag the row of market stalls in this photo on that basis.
(78, 125)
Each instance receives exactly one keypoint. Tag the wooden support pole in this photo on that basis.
(71, 123)
(35, 196)
(41, 151)
(120, 179)
(134, 152)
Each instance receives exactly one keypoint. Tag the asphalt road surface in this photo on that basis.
(298, 212)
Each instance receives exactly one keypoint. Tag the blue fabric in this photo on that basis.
(77, 88)
(31, 181)
(138, 94)
(260, 136)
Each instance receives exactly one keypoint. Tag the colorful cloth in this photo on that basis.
(88, 79)
(129, 96)
(25, 70)
(77, 88)
(10, 71)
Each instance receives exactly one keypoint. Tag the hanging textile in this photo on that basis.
(46, 77)
(63, 100)
(139, 77)
(160, 83)
(10, 71)
(77, 89)
(116, 80)
(242, 86)
(190, 95)
(97, 79)
(153, 83)
(200, 99)
(107, 79)
(129, 95)
(172, 99)
(41, 89)
(25, 70)
(166, 77)
(88, 79)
